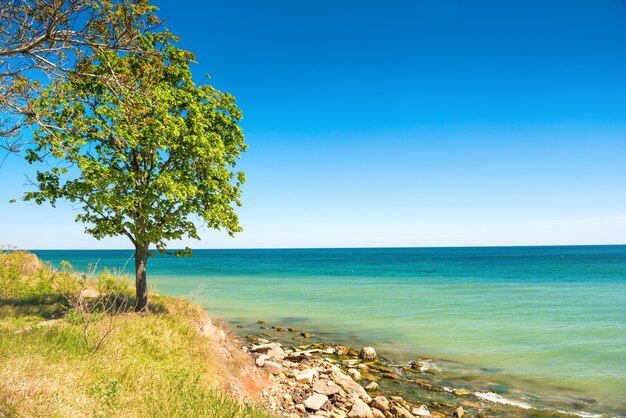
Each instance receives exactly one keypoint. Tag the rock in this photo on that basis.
(338, 413)
(260, 361)
(315, 401)
(461, 392)
(372, 386)
(380, 402)
(400, 412)
(354, 373)
(273, 367)
(270, 349)
(342, 350)
(369, 376)
(459, 412)
(422, 411)
(360, 410)
(328, 350)
(300, 408)
(377, 413)
(326, 387)
(349, 385)
(398, 399)
(436, 414)
(305, 335)
(367, 354)
(307, 376)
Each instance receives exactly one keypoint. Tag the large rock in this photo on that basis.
(380, 402)
(378, 413)
(354, 373)
(307, 376)
(360, 410)
(326, 387)
(273, 367)
(367, 354)
(372, 386)
(315, 401)
(400, 412)
(260, 361)
(270, 349)
(422, 411)
(348, 385)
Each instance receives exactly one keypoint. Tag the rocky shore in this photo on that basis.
(321, 380)
(315, 379)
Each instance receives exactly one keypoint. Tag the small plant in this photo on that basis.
(97, 312)
(107, 395)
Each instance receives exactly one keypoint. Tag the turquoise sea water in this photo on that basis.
(543, 325)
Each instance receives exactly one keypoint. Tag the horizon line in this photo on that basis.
(336, 248)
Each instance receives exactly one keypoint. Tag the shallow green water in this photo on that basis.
(541, 325)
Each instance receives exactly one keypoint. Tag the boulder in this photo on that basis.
(360, 410)
(400, 412)
(380, 402)
(307, 376)
(315, 401)
(368, 354)
(372, 386)
(377, 413)
(422, 411)
(273, 367)
(350, 386)
(354, 373)
(260, 361)
(326, 387)
(270, 349)
(337, 413)
(461, 392)
(459, 412)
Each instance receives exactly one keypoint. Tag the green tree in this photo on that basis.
(141, 156)
(40, 41)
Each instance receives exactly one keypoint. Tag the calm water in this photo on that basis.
(548, 323)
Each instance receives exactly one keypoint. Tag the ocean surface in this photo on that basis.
(542, 326)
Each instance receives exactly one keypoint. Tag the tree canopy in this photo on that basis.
(41, 40)
(142, 154)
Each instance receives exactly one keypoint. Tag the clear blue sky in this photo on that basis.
(417, 123)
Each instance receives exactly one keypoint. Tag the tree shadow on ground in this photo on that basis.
(46, 306)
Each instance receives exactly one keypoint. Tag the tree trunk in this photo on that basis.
(141, 288)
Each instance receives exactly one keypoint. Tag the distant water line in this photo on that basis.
(548, 319)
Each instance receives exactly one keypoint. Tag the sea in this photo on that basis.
(541, 327)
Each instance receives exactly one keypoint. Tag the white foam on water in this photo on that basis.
(581, 414)
(494, 397)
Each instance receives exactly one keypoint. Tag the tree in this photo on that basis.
(40, 40)
(141, 156)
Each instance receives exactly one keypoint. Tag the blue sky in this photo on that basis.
(417, 123)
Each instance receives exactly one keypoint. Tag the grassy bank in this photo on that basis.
(63, 354)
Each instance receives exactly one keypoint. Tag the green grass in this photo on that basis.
(155, 365)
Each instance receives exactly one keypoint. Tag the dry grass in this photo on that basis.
(156, 365)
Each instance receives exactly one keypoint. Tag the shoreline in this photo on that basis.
(419, 385)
